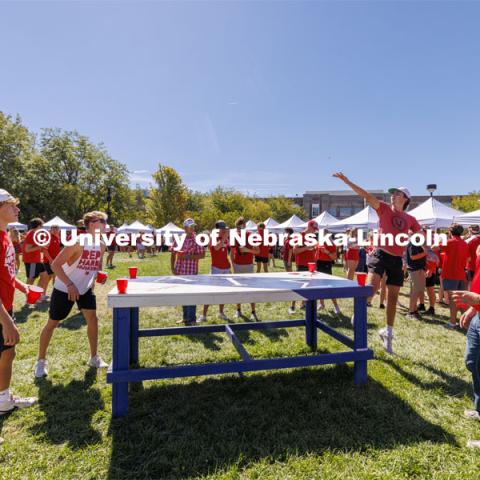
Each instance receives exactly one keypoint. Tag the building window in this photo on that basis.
(315, 210)
(332, 211)
(345, 212)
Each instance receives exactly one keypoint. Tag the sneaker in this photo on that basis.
(451, 326)
(44, 298)
(386, 339)
(202, 318)
(40, 369)
(222, 316)
(320, 307)
(238, 314)
(97, 362)
(16, 402)
(421, 307)
(352, 320)
(291, 311)
(303, 307)
(413, 316)
(253, 317)
(337, 310)
(473, 444)
(430, 311)
(471, 414)
(382, 306)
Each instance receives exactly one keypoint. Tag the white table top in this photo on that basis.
(223, 289)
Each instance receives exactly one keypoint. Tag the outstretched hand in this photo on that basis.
(340, 176)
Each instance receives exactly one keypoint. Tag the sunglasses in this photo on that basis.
(100, 220)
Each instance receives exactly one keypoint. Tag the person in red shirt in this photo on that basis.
(352, 254)
(473, 243)
(9, 335)
(242, 262)
(453, 269)
(53, 249)
(15, 238)
(264, 251)
(393, 220)
(220, 263)
(288, 257)
(32, 256)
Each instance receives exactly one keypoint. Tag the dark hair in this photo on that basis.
(239, 221)
(261, 225)
(456, 230)
(289, 230)
(36, 222)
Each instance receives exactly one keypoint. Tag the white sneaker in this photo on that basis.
(222, 316)
(337, 310)
(97, 362)
(471, 414)
(16, 402)
(40, 369)
(44, 298)
(291, 311)
(321, 307)
(352, 320)
(202, 318)
(387, 339)
(238, 314)
(253, 317)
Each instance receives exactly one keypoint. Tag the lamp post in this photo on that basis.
(109, 199)
(431, 188)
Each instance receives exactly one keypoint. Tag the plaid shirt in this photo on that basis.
(185, 266)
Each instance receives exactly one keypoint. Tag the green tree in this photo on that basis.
(467, 203)
(283, 208)
(168, 200)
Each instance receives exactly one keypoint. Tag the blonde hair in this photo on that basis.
(93, 216)
(15, 201)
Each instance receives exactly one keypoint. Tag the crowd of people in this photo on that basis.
(453, 268)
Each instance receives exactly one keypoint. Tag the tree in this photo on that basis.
(168, 200)
(467, 203)
(283, 208)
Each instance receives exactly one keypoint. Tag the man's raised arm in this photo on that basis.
(371, 200)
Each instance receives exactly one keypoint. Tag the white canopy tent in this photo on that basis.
(169, 228)
(324, 220)
(136, 227)
(469, 218)
(17, 226)
(122, 228)
(293, 222)
(250, 226)
(434, 214)
(365, 219)
(270, 223)
(58, 222)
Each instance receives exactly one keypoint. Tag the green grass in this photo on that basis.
(290, 424)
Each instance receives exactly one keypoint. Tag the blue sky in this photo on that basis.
(264, 97)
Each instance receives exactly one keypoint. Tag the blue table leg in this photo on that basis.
(311, 323)
(121, 359)
(360, 338)
(134, 335)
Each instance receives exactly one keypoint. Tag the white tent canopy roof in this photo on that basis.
(122, 228)
(293, 222)
(365, 219)
(250, 226)
(170, 228)
(270, 223)
(434, 214)
(57, 221)
(17, 226)
(324, 220)
(137, 227)
(469, 218)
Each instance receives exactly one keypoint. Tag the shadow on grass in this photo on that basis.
(68, 411)
(22, 315)
(211, 341)
(193, 429)
(74, 322)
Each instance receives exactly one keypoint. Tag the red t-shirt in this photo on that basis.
(321, 255)
(394, 222)
(31, 257)
(473, 245)
(286, 249)
(242, 258)
(7, 270)
(264, 249)
(456, 254)
(219, 257)
(54, 247)
(475, 286)
(304, 258)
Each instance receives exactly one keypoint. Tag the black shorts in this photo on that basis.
(470, 275)
(61, 306)
(33, 270)
(431, 281)
(112, 248)
(259, 259)
(48, 268)
(2, 340)
(302, 268)
(324, 266)
(382, 262)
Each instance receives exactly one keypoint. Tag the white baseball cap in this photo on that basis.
(404, 190)
(5, 196)
(189, 222)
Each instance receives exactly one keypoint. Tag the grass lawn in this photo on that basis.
(293, 424)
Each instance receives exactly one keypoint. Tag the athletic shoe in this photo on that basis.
(473, 444)
(303, 307)
(337, 310)
(291, 311)
(421, 307)
(202, 318)
(382, 306)
(238, 314)
(387, 339)
(471, 414)
(451, 326)
(320, 307)
(40, 369)
(16, 402)
(44, 298)
(430, 311)
(413, 316)
(222, 316)
(97, 362)
(253, 317)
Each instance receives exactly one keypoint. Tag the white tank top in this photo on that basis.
(82, 272)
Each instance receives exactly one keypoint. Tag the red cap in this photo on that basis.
(313, 223)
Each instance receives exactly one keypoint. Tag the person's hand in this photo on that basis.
(341, 177)
(73, 293)
(466, 318)
(11, 336)
(470, 298)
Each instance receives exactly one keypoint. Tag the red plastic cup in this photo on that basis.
(461, 305)
(132, 271)
(122, 284)
(101, 277)
(361, 278)
(312, 266)
(34, 293)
